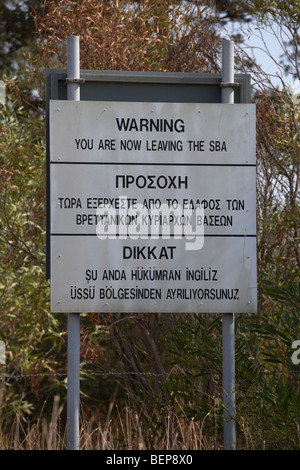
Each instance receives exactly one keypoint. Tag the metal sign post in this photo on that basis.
(73, 395)
(228, 318)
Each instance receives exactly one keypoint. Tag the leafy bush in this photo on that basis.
(29, 331)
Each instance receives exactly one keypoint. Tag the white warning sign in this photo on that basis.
(153, 207)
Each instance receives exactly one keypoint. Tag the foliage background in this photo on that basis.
(171, 385)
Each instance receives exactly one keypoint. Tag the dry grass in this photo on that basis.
(124, 429)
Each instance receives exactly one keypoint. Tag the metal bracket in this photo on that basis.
(229, 85)
(74, 80)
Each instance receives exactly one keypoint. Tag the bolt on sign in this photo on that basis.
(152, 207)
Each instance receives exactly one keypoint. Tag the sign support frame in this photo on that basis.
(73, 391)
(228, 86)
(228, 320)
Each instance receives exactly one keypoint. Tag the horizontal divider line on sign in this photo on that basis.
(153, 164)
(151, 235)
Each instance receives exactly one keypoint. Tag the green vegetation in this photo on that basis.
(170, 393)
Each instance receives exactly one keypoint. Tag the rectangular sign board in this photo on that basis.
(152, 207)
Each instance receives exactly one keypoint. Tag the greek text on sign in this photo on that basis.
(152, 207)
